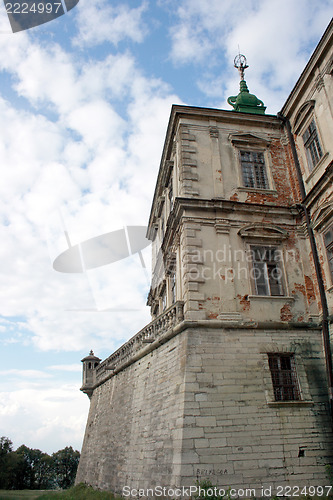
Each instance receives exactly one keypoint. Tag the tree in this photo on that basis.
(65, 463)
(6, 448)
(28, 468)
(36, 473)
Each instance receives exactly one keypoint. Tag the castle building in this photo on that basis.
(231, 381)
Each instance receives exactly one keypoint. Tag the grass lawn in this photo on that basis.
(79, 492)
(18, 494)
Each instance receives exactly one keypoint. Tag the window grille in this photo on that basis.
(254, 169)
(312, 145)
(266, 271)
(328, 238)
(284, 379)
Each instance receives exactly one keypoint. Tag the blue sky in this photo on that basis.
(84, 106)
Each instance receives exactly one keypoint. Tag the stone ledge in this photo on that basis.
(281, 404)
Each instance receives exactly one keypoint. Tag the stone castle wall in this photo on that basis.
(202, 406)
(132, 433)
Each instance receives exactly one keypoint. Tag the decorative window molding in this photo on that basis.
(303, 114)
(322, 215)
(250, 140)
(263, 232)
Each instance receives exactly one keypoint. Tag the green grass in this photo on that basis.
(79, 492)
(21, 494)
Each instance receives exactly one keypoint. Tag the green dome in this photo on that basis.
(245, 102)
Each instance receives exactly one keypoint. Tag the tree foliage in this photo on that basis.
(28, 468)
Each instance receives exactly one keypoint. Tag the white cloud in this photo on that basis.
(47, 418)
(25, 374)
(84, 145)
(275, 35)
(98, 22)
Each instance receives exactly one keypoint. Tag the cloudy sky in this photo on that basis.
(84, 105)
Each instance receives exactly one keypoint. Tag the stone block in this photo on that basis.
(205, 421)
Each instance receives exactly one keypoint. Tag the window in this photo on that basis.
(170, 196)
(266, 271)
(254, 169)
(328, 238)
(164, 301)
(312, 145)
(173, 287)
(284, 379)
(162, 228)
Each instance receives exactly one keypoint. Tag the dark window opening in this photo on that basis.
(254, 169)
(283, 372)
(312, 145)
(173, 287)
(170, 196)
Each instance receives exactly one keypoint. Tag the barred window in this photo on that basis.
(312, 145)
(284, 379)
(266, 271)
(254, 169)
(328, 238)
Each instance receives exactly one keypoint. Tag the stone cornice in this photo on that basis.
(221, 208)
(106, 372)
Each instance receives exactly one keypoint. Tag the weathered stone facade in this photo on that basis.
(193, 395)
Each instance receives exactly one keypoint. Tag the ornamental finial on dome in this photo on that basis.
(245, 102)
(240, 63)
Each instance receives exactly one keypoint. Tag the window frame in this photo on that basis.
(313, 138)
(163, 300)
(253, 143)
(285, 381)
(268, 278)
(173, 293)
(251, 151)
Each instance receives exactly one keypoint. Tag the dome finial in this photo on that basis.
(245, 102)
(240, 63)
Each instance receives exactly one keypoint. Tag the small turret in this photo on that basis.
(245, 102)
(90, 364)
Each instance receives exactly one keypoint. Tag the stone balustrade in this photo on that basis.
(151, 332)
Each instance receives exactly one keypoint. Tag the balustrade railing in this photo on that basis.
(155, 329)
